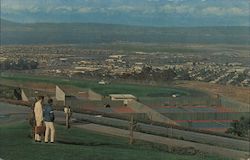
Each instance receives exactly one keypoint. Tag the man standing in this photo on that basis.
(68, 114)
(38, 111)
(49, 118)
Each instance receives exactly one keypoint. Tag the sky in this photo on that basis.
(130, 12)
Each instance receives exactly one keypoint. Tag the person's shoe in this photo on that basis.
(37, 141)
(45, 142)
(52, 142)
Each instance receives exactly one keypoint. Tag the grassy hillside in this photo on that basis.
(119, 88)
(80, 33)
(76, 144)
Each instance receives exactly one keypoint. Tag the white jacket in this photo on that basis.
(38, 111)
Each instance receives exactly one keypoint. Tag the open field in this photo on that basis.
(137, 90)
(189, 48)
(81, 144)
(185, 88)
(196, 112)
(241, 94)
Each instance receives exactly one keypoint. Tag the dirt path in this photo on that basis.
(166, 141)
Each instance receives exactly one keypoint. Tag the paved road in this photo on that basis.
(6, 108)
(166, 141)
(170, 132)
(18, 113)
(12, 113)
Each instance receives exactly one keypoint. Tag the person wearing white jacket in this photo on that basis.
(38, 111)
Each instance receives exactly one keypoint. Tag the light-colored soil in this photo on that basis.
(241, 94)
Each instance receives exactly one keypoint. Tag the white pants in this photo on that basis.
(37, 136)
(50, 129)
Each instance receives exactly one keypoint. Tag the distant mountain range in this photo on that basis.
(79, 33)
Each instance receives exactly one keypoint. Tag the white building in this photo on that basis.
(122, 97)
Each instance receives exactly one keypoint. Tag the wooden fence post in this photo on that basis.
(132, 126)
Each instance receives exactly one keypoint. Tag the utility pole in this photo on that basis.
(132, 126)
(219, 100)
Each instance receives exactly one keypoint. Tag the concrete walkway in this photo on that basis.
(235, 154)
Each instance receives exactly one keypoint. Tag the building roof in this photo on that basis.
(122, 96)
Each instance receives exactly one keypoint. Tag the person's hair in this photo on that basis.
(50, 101)
(40, 97)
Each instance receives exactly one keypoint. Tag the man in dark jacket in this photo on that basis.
(49, 118)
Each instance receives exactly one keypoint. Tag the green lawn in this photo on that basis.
(78, 144)
(135, 89)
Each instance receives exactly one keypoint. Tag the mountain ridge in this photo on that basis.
(77, 33)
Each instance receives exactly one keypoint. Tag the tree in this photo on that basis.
(33, 65)
(240, 128)
(169, 74)
(183, 75)
(22, 64)
(146, 73)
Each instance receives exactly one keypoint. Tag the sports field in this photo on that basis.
(200, 117)
(113, 88)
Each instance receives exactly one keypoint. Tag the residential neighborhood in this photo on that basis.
(107, 65)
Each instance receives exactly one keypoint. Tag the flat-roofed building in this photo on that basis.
(122, 97)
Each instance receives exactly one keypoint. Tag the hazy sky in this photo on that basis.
(132, 12)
